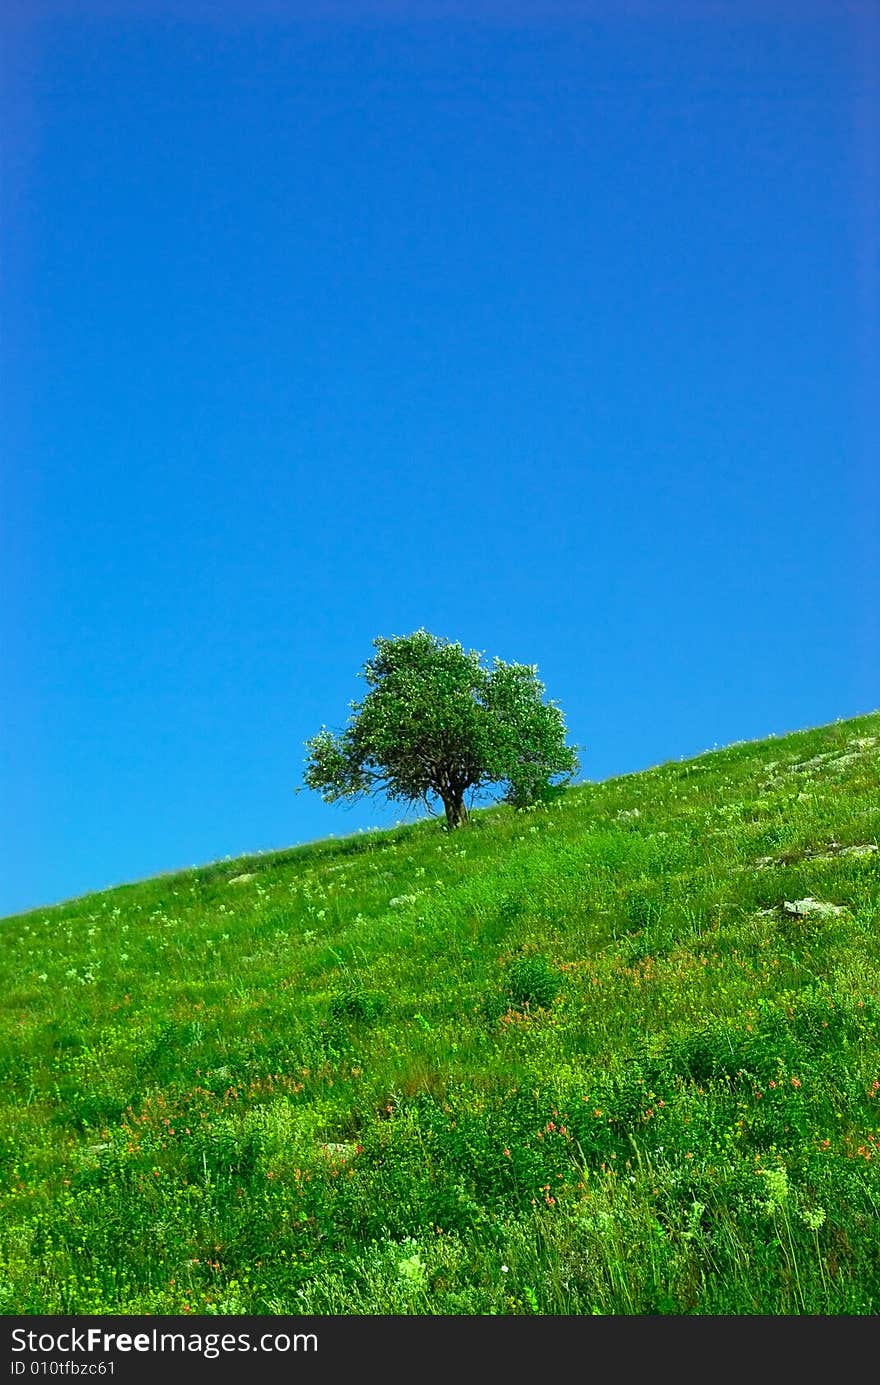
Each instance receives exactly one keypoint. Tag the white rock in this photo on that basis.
(835, 850)
(810, 908)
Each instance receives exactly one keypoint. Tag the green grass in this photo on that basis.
(573, 1060)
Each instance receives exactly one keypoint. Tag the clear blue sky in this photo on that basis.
(552, 329)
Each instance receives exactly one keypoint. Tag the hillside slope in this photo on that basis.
(599, 1057)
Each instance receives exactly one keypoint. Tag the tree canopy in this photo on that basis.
(437, 723)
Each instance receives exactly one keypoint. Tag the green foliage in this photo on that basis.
(282, 1096)
(359, 1005)
(437, 723)
(532, 982)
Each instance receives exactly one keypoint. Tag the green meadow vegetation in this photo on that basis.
(574, 1059)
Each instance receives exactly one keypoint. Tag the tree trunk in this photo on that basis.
(456, 812)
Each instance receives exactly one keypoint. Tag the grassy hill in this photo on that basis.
(594, 1058)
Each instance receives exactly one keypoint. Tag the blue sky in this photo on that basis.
(553, 330)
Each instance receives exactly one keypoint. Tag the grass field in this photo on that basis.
(575, 1060)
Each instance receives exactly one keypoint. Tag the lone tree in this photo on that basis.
(436, 723)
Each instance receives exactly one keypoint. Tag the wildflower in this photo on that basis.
(777, 1188)
(813, 1218)
(795, 1081)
